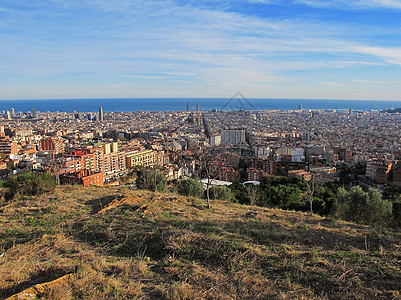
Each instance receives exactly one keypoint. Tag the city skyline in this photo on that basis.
(295, 49)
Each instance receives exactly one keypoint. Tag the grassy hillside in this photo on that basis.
(94, 243)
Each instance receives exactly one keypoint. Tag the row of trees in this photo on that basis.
(352, 204)
(154, 180)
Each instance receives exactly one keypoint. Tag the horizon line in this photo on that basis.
(200, 98)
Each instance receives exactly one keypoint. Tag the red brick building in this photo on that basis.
(221, 170)
(52, 144)
(268, 166)
(255, 174)
(83, 177)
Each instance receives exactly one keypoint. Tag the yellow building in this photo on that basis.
(110, 148)
(145, 158)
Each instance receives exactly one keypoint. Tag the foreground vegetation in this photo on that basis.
(91, 243)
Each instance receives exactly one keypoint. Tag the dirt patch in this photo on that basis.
(128, 200)
(144, 208)
(40, 290)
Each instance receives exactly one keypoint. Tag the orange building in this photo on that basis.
(7, 146)
(52, 144)
(86, 160)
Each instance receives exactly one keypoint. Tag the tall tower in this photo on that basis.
(187, 106)
(197, 106)
(101, 116)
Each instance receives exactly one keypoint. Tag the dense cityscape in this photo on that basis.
(126, 172)
(97, 148)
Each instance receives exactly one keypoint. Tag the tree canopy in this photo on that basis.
(190, 188)
(363, 207)
(28, 184)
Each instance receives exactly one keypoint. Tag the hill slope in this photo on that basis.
(111, 243)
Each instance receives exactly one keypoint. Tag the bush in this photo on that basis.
(397, 213)
(362, 207)
(239, 193)
(146, 180)
(220, 192)
(29, 184)
(190, 188)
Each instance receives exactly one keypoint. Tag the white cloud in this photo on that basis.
(390, 55)
(355, 4)
(160, 42)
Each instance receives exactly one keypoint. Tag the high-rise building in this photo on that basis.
(7, 146)
(233, 137)
(187, 106)
(197, 106)
(34, 113)
(146, 158)
(101, 116)
(215, 140)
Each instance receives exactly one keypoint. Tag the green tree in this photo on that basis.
(239, 193)
(282, 192)
(345, 173)
(324, 200)
(392, 192)
(151, 179)
(363, 207)
(190, 188)
(29, 184)
(397, 213)
(221, 193)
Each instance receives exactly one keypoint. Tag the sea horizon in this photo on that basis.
(179, 104)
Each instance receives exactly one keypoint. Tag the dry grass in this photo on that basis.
(147, 246)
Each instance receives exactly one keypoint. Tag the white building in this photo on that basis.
(233, 137)
(215, 140)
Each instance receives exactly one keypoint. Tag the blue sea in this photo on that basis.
(179, 104)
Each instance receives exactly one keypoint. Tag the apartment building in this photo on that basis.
(145, 158)
(7, 146)
(54, 144)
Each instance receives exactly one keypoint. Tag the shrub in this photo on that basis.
(190, 188)
(29, 184)
(397, 213)
(146, 180)
(239, 193)
(363, 207)
(220, 192)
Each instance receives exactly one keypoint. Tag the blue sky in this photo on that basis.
(264, 48)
